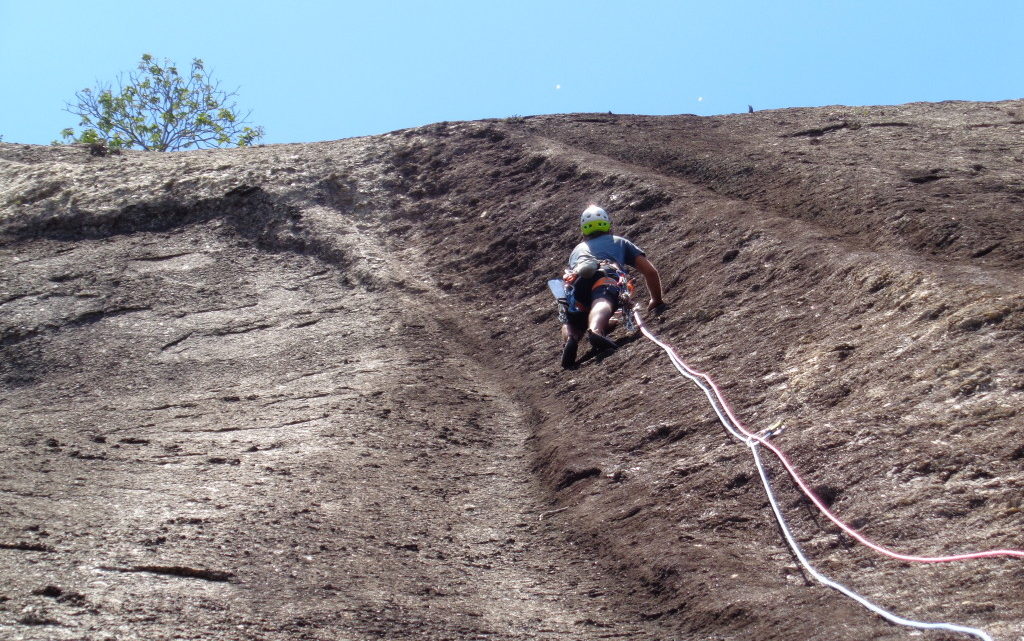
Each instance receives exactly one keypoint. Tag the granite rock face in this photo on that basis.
(313, 391)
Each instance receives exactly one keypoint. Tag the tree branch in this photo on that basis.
(158, 108)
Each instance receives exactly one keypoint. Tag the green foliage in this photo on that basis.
(159, 109)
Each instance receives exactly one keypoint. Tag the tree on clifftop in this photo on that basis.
(158, 109)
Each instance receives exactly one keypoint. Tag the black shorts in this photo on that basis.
(610, 292)
(578, 320)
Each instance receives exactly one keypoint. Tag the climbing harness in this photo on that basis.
(753, 441)
(607, 274)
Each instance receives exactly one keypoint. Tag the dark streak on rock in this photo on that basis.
(175, 570)
(26, 547)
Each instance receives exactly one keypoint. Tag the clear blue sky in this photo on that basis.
(319, 70)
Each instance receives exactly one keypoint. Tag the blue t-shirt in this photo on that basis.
(607, 247)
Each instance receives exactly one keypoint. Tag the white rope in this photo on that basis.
(742, 434)
(752, 443)
(821, 578)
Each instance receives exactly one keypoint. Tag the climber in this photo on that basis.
(595, 278)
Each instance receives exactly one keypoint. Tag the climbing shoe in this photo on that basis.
(600, 342)
(569, 353)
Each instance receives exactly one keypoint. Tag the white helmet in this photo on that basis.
(593, 220)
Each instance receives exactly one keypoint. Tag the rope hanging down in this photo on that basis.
(733, 426)
(736, 428)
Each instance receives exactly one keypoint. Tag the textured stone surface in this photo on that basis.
(312, 391)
